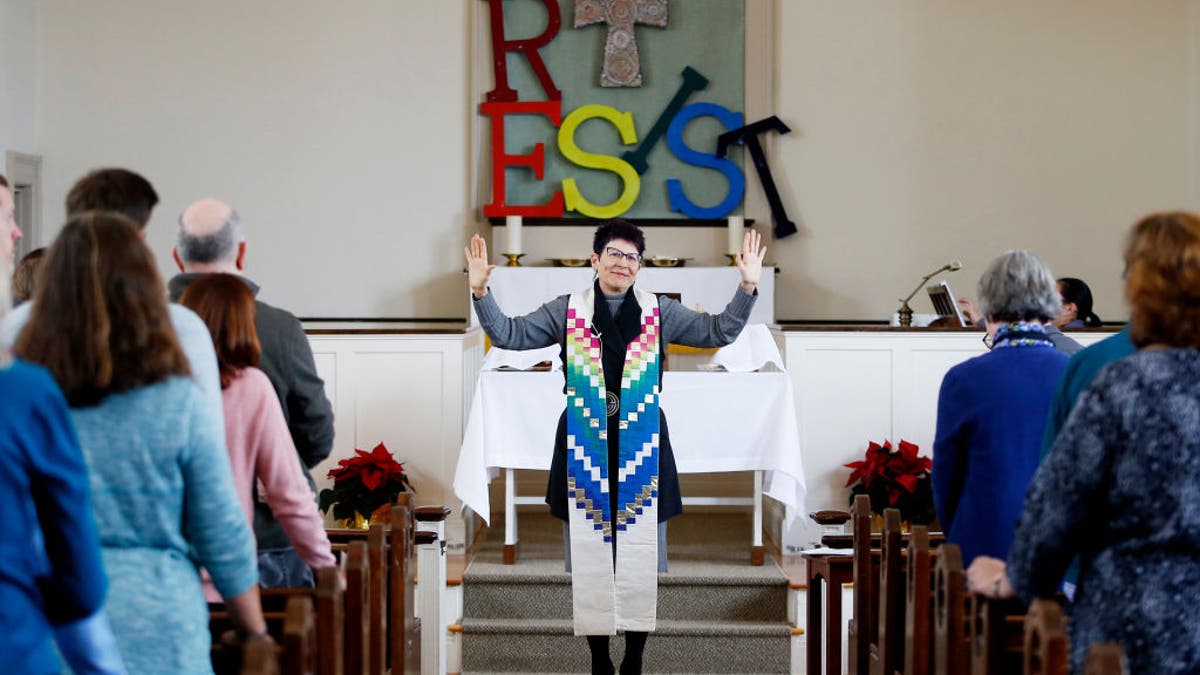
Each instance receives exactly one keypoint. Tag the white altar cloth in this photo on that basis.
(718, 422)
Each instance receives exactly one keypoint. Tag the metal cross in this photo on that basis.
(622, 66)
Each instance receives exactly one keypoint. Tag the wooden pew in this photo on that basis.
(299, 638)
(357, 632)
(918, 605)
(950, 646)
(391, 637)
(368, 625)
(366, 596)
(1104, 658)
(887, 651)
(327, 598)
(863, 622)
(1045, 646)
(378, 592)
(996, 632)
(260, 657)
(329, 602)
(404, 629)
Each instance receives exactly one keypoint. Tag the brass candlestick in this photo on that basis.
(732, 259)
(514, 259)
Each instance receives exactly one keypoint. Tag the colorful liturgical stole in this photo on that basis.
(625, 598)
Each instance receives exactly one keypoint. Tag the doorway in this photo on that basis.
(24, 172)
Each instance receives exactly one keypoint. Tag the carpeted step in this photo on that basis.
(716, 612)
(689, 591)
(676, 646)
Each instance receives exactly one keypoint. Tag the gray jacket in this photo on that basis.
(1061, 342)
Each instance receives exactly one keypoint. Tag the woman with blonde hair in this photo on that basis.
(160, 479)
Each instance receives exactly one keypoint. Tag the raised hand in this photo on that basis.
(478, 267)
(750, 259)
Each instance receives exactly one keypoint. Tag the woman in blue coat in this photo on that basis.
(992, 409)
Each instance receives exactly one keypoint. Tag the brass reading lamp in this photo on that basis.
(906, 313)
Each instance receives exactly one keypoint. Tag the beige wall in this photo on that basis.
(18, 76)
(927, 130)
(338, 131)
(922, 130)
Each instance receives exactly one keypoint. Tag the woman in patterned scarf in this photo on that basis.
(992, 409)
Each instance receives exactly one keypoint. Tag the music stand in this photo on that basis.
(944, 303)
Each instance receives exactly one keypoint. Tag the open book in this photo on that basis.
(945, 304)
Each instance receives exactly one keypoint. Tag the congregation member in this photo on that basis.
(1061, 342)
(10, 231)
(211, 240)
(612, 337)
(24, 278)
(1119, 487)
(1079, 373)
(130, 194)
(992, 408)
(1087, 364)
(256, 435)
(1077, 305)
(51, 574)
(160, 480)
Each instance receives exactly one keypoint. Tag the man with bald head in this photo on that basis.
(210, 240)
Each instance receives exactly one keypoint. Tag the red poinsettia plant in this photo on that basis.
(364, 483)
(896, 478)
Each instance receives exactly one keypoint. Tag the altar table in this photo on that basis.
(718, 422)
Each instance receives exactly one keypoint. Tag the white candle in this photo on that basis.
(737, 231)
(513, 234)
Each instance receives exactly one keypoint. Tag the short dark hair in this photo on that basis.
(618, 228)
(100, 322)
(226, 305)
(114, 189)
(3, 181)
(1076, 291)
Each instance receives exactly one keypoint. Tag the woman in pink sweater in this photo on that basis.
(260, 447)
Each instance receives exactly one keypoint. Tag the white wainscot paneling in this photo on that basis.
(407, 390)
(853, 387)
